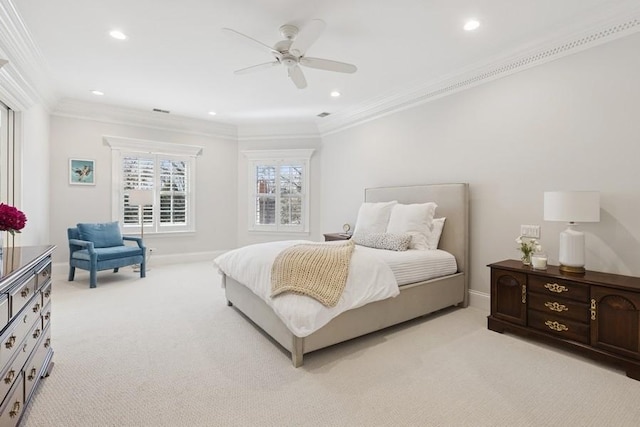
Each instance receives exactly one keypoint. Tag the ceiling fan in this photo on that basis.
(291, 52)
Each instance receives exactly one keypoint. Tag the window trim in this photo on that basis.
(120, 147)
(256, 157)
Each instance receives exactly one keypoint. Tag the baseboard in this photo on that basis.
(480, 300)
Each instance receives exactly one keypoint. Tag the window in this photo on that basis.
(279, 190)
(165, 173)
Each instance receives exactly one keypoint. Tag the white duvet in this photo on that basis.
(369, 279)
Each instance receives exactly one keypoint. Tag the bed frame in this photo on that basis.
(415, 300)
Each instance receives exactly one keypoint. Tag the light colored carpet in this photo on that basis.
(167, 351)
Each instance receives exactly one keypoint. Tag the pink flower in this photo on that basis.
(11, 219)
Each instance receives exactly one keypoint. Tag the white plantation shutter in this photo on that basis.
(279, 197)
(173, 192)
(138, 173)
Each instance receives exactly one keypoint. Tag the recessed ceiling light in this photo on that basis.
(116, 34)
(97, 92)
(335, 94)
(212, 113)
(471, 24)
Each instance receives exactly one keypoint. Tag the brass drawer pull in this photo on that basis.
(25, 292)
(47, 293)
(47, 343)
(593, 309)
(47, 316)
(554, 306)
(32, 374)
(36, 308)
(556, 326)
(10, 342)
(16, 410)
(524, 294)
(554, 287)
(36, 333)
(10, 376)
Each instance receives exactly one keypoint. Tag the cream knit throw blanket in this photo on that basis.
(318, 270)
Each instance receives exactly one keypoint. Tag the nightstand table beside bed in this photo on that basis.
(336, 236)
(595, 314)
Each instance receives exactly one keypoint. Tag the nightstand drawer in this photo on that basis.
(560, 307)
(562, 288)
(556, 325)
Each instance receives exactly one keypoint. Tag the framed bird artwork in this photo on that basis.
(82, 172)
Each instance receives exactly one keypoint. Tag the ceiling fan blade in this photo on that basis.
(296, 75)
(307, 36)
(257, 67)
(327, 64)
(246, 37)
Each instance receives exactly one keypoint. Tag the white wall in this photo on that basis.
(246, 237)
(569, 124)
(34, 193)
(216, 188)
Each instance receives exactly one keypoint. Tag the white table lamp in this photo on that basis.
(141, 198)
(572, 207)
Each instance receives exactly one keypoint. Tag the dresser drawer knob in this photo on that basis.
(47, 343)
(16, 410)
(10, 376)
(36, 333)
(32, 374)
(554, 287)
(10, 342)
(47, 293)
(593, 309)
(25, 292)
(554, 306)
(36, 308)
(47, 316)
(556, 326)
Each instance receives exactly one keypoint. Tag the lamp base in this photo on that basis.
(572, 270)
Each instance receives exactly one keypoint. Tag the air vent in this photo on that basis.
(158, 110)
(325, 114)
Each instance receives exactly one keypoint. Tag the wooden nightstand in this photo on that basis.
(336, 236)
(596, 314)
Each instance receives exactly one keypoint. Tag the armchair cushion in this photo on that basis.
(114, 252)
(103, 235)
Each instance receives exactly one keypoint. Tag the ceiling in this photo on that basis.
(177, 58)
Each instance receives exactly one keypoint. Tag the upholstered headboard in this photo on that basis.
(453, 203)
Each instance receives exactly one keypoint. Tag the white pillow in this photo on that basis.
(415, 219)
(434, 238)
(373, 217)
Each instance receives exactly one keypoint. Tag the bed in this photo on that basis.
(414, 299)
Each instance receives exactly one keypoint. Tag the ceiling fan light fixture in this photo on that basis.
(471, 24)
(117, 34)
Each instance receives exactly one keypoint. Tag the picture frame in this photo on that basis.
(82, 172)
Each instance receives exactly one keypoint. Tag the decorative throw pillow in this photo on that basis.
(373, 217)
(103, 235)
(434, 238)
(390, 241)
(415, 219)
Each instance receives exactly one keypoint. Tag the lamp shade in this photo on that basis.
(572, 206)
(140, 197)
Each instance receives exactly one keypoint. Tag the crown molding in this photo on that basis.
(128, 116)
(626, 23)
(24, 81)
(279, 131)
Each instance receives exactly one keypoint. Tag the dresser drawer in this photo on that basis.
(564, 288)
(33, 367)
(43, 274)
(561, 327)
(4, 311)
(559, 307)
(46, 294)
(27, 317)
(13, 405)
(21, 294)
(14, 369)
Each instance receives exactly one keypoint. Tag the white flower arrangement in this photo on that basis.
(527, 246)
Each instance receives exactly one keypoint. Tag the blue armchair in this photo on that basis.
(100, 246)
